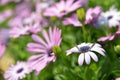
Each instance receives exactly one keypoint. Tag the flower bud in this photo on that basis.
(117, 49)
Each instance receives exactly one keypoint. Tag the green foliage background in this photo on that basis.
(66, 67)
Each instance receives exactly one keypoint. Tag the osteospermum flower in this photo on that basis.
(112, 16)
(73, 20)
(4, 36)
(86, 51)
(17, 72)
(64, 7)
(92, 15)
(43, 49)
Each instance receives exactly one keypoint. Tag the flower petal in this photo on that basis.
(2, 50)
(74, 49)
(87, 58)
(81, 59)
(93, 55)
(98, 50)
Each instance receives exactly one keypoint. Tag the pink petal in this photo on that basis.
(39, 40)
(35, 45)
(68, 3)
(36, 50)
(2, 50)
(46, 36)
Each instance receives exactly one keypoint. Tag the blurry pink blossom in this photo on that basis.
(4, 2)
(21, 30)
(29, 25)
(73, 20)
(5, 14)
(43, 49)
(41, 5)
(64, 7)
(92, 14)
(18, 31)
(110, 37)
(23, 10)
(4, 36)
(117, 78)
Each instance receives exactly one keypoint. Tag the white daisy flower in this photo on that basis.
(112, 16)
(86, 51)
(17, 72)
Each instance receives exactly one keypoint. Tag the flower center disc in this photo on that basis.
(20, 70)
(84, 49)
(110, 17)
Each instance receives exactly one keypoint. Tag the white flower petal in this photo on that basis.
(87, 58)
(74, 49)
(93, 55)
(98, 50)
(81, 59)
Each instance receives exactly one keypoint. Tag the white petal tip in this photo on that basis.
(68, 52)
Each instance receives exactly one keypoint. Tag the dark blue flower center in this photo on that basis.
(20, 70)
(84, 49)
(110, 17)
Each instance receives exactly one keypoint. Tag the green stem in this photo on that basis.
(84, 32)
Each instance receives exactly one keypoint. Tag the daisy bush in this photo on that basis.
(59, 40)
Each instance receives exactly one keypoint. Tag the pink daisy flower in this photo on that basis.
(73, 20)
(4, 36)
(64, 7)
(24, 26)
(92, 15)
(43, 49)
(87, 51)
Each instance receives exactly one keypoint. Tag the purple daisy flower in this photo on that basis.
(17, 72)
(43, 49)
(86, 51)
(92, 15)
(4, 36)
(64, 7)
(73, 20)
